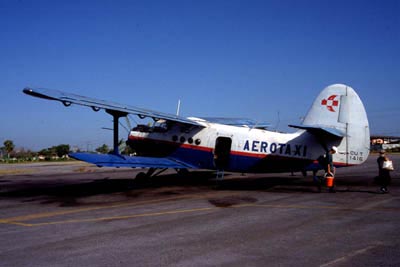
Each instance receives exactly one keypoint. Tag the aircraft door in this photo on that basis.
(222, 152)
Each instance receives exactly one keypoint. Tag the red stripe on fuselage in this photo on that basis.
(248, 154)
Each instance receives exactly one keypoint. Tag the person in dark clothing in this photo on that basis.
(384, 174)
(329, 168)
(326, 161)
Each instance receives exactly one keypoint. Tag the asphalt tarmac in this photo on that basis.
(76, 215)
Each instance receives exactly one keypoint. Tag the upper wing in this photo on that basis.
(67, 99)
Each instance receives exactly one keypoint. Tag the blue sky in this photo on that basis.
(254, 59)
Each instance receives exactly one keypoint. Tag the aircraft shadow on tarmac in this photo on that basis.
(66, 193)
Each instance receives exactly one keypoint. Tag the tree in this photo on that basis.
(62, 150)
(25, 154)
(104, 149)
(9, 147)
(47, 153)
(127, 150)
(59, 151)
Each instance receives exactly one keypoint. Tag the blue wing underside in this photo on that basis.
(111, 160)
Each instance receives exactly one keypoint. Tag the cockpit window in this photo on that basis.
(160, 126)
(141, 128)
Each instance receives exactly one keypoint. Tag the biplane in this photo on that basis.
(337, 117)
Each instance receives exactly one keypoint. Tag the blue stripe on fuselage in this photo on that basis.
(241, 162)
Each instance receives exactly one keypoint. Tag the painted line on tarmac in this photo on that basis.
(351, 255)
(22, 220)
(15, 223)
(66, 212)
(374, 204)
(369, 207)
(277, 206)
(131, 216)
(15, 172)
(122, 217)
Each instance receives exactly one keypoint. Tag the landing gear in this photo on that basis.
(151, 172)
(182, 172)
(141, 178)
(144, 177)
(220, 175)
(219, 179)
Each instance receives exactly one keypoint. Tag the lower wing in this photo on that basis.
(111, 160)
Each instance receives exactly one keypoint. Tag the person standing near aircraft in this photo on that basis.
(326, 161)
(329, 168)
(384, 173)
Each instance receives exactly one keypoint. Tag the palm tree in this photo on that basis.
(9, 147)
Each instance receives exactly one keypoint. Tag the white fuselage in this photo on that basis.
(244, 149)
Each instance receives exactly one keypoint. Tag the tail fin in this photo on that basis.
(337, 117)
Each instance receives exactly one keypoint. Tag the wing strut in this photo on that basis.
(116, 115)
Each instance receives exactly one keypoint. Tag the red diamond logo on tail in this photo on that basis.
(330, 103)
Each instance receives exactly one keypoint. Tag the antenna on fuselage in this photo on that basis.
(178, 107)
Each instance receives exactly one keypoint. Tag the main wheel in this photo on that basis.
(183, 172)
(141, 178)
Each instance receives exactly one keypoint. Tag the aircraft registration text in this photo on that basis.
(357, 156)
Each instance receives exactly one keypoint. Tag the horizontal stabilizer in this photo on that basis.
(315, 129)
(112, 160)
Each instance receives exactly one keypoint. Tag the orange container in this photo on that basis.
(329, 181)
